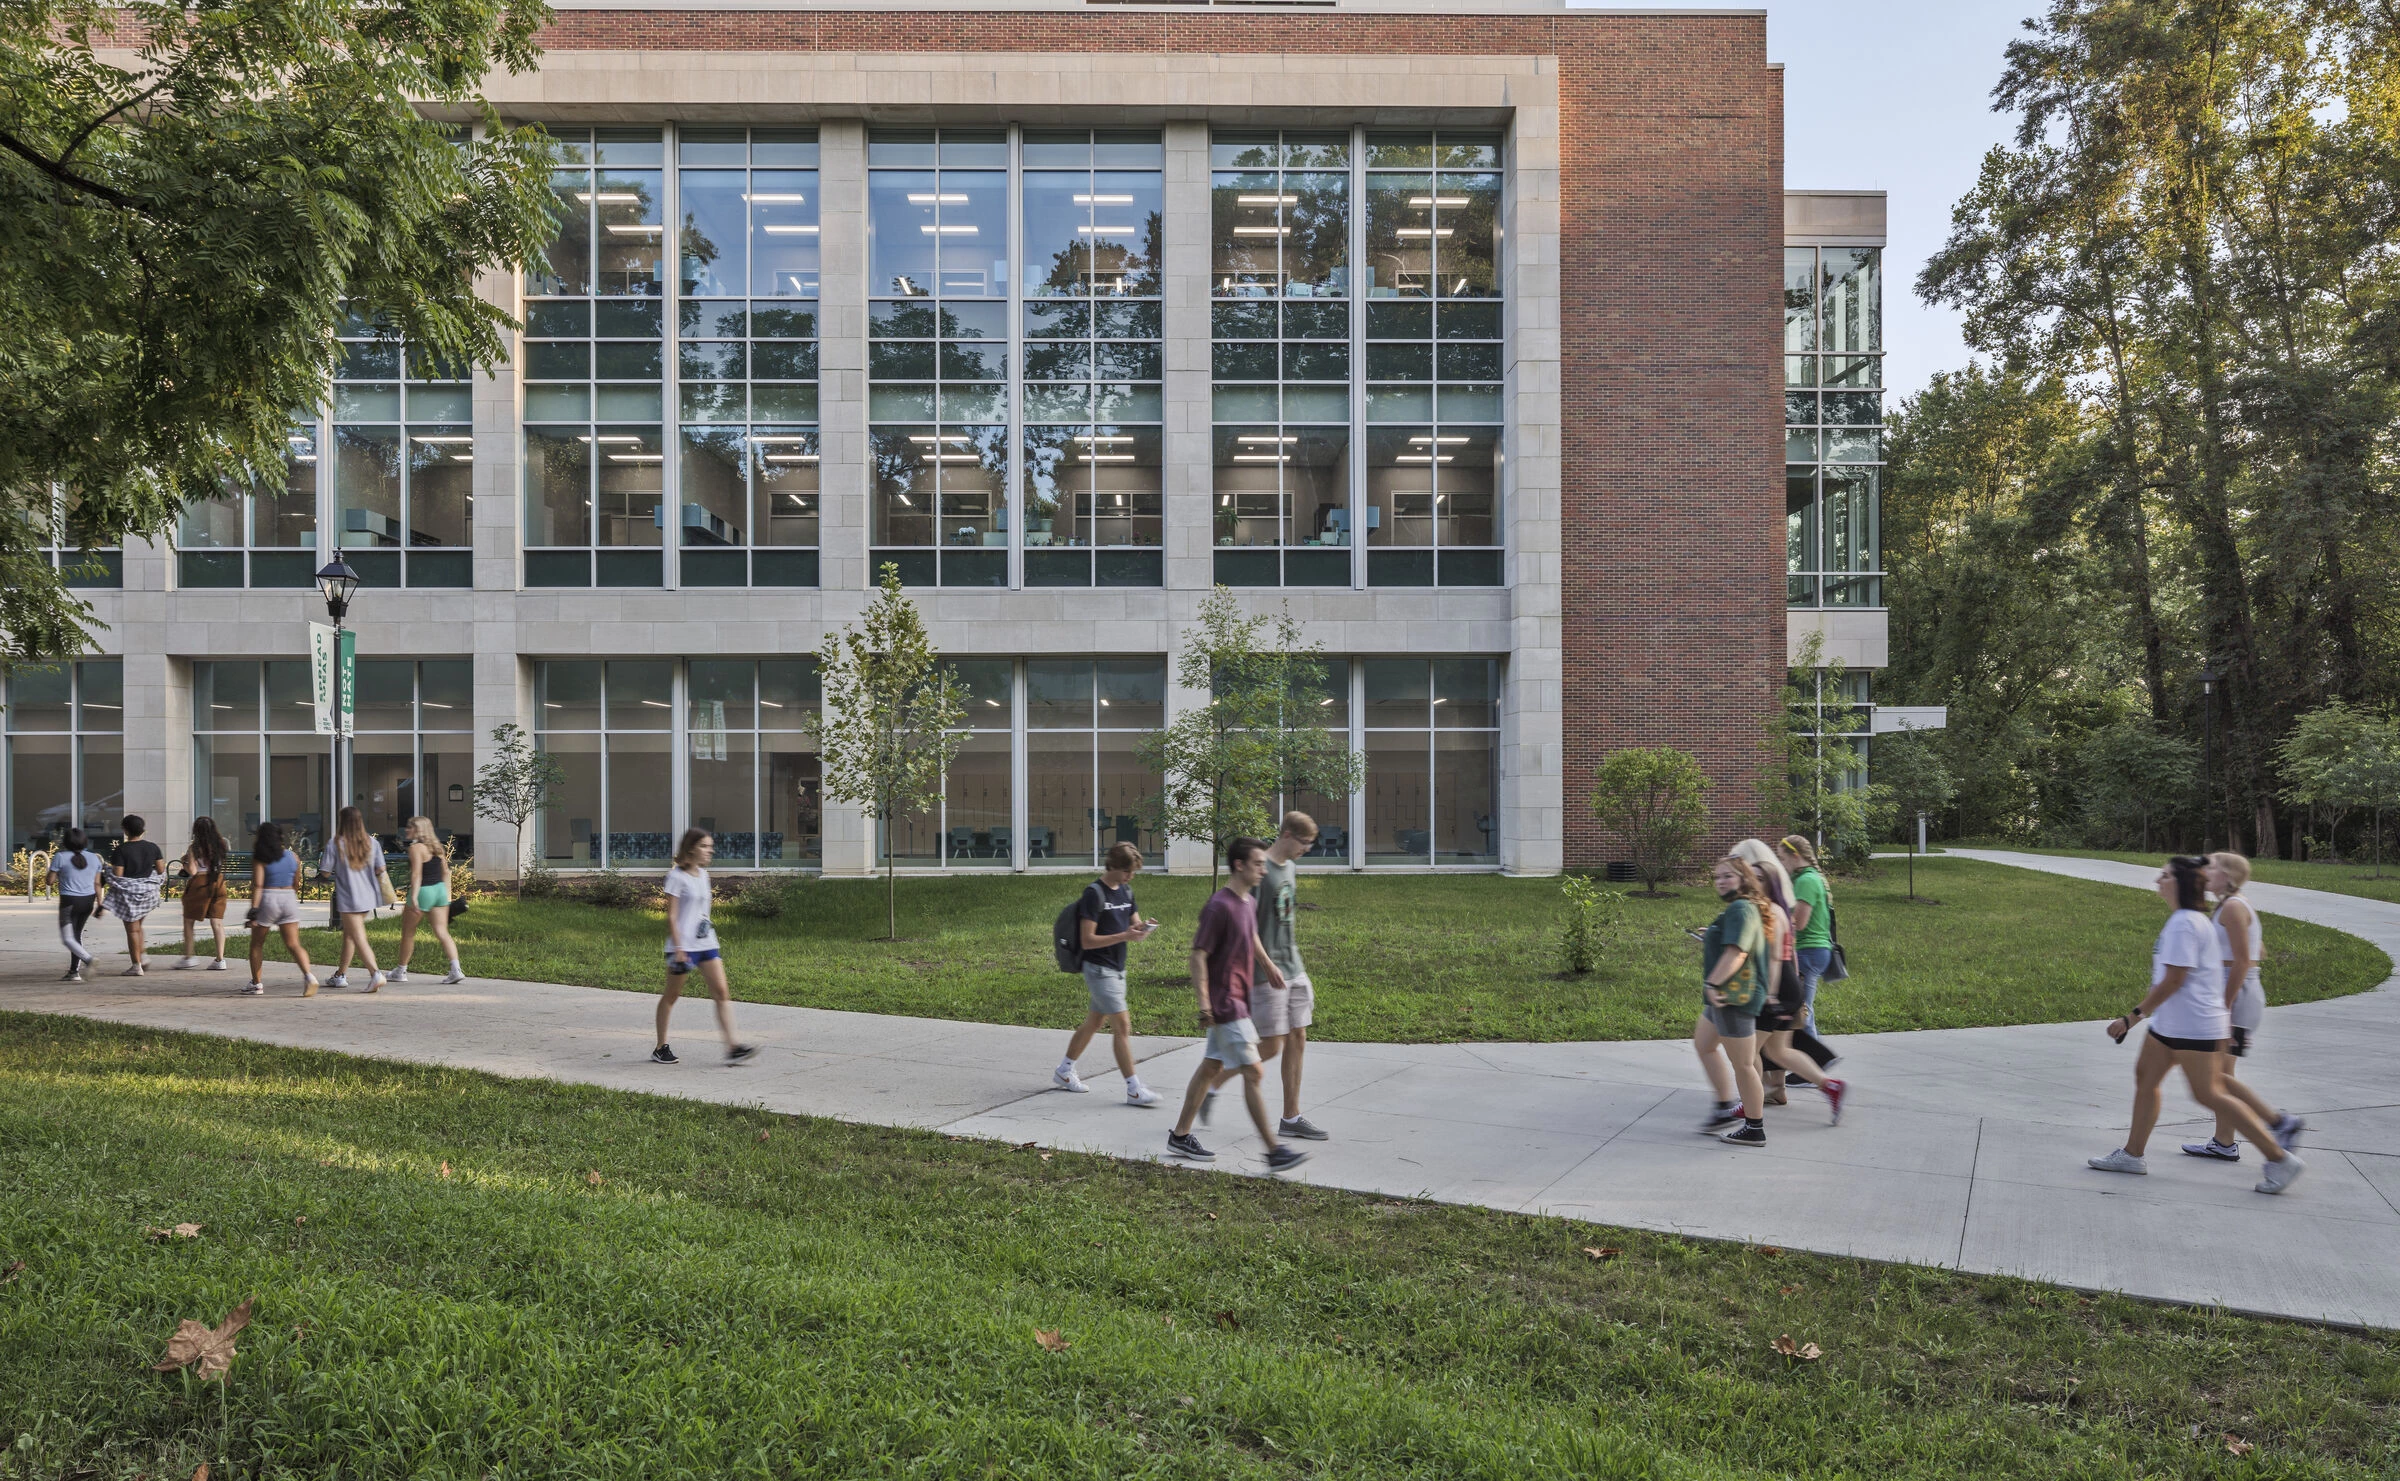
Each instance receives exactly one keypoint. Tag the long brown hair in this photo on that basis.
(350, 830)
(689, 848)
(208, 844)
(1750, 890)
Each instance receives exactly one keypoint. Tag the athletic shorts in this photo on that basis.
(1106, 986)
(697, 957)
(2189, 1046)
(1275, 1011)
(273, 907)
(1232, 1044)
(1732, 1023)
(2241, 1042)
(433, 896)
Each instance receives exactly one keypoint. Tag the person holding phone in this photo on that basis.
(692, 944)
(1108, 922)
(2189, 1026)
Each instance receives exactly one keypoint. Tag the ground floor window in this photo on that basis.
(66, 752)
(1431, 734)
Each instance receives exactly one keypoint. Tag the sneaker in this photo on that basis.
(253, 990)
(1723, 1116)
(311, 989)
(1140, 1095)
(136, 970)
(1748, 1134)
(2119, 1161)
(663, 1055)
(76, 975)
(185, 964)
(2287, 1132)
(1067, 1079)
(1283, 1159)
(2221, 1151)
(1833, 1091)
(374, 983)
(397, 976)
(456, 975)
(741, 1053)
(220, 965)
(2281, 1175)
(1188, 1145)
(338, 979)
(1208, 1103)
(1299, 1128)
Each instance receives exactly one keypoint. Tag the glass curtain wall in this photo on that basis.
(256, 756)
(610, 723)
(1833, 434)
(263, 536)
(82, 570)
(938, 353)
(595, 458)
(1084, 789)
(413, 749)
(403, 463)
(754, 778)
(746, 350)
(1432, 739)
(1279, 278)
(1092, 212)
(1431, 279)
(66, 752)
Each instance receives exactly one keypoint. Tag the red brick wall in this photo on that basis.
(1672, 221)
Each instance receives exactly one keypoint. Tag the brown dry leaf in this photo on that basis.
(15, 1269)
(1027, 1146)
(1810, 1352)
(1050, 1340)
(2236, 1445)
(210, 1349)
(298, 1220)
(593, 1177)
(1806, 1352)
(1230, 1320)
(202, 1473)
(180, 1231)
(1170, 1319)
(1602, 1251)
(1212, 1218)
(1787, 1290)
(445, 1169)
(1045, 1157)
(762, 1136)
(1768, 1249)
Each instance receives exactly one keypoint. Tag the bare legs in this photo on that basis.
(1731, 1066)
(1206, 1077)
(2200, 1072)
(134, 941)
(1777, 1047)
(216, 924)
(2267, 1114)
(291, 943)
(1120, 1038)
(354, 942)
(712, 973)
(439, 916)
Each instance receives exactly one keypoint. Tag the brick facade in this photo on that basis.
(1674, 618)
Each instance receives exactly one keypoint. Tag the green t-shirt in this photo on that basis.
(1808, 888)
(1737, 927)
(1276, 901)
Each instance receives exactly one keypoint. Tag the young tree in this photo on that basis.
(1910, 772)
(1223, 764)
(889, 725)
(193, 200)
(1653, 799)
(515, 785)
(2315, 757)
(2134, 775)
(1815, 782)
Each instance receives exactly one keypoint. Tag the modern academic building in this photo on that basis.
(1478, 337)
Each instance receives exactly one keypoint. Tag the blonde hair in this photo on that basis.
(420, 830)
(1771, 876)
(1300, 825)
(1749, 887)
(1799, 848)
(2237, 870)
(350, 830)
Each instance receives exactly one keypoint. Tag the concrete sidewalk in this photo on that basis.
(1964, 1147)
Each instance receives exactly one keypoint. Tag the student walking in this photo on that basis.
(275, 906)
(1282, 1014)
(76, 865)
(2189, 1025)
(1781, 1015)
(692, 944)
(1225, 953)
(204, 889)
(133, 889)
(354, 860)
(428, 900)
(1733, 987)
(1812, 917)
(1107, 923)
(2241, 942)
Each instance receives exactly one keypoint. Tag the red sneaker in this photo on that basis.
(1834, 1091)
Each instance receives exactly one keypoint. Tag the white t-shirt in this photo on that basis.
(2197, 1011)
(689, 903)
(2249, 1007)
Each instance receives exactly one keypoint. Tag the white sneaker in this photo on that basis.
(2281, 1175)
(253, 990)
(1141, 1095)
(219, 965)
(185, 964)
(456, 975)
(338, 979)
(374, 983)
(76, 975)
(133, 971)
(396, 976)
(2120, 1161)
(1067, 1079)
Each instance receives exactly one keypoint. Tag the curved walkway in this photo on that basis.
(1965, 1147)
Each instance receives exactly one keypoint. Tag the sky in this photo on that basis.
(1895, 95)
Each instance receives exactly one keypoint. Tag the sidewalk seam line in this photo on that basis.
(1533, 1204)
(1967, 1211)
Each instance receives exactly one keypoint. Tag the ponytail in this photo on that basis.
(74, 843)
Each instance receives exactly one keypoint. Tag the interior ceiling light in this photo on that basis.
(1423, 458)
(1255, 438)
(927, 198)
(1423, 231)
(634, 231)
(1262, 231)
(778, 198)
(1266, 200)
(1262, 457)
(636, 458)
(1440, 441)
(634, 440)
(1437, 200)
(1104, 200)
(1104, 437)
(781, 229)
(948, 231)
(610, 197)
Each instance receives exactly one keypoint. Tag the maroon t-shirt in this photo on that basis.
(1228, 932)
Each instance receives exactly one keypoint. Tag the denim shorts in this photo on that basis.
(1732, 1023)
(1232, 1044)
(1106, 986)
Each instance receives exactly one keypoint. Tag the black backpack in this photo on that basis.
(1066, 936)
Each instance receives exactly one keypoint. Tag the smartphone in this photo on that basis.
(676, 968)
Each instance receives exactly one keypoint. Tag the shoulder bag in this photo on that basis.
(1837, 966)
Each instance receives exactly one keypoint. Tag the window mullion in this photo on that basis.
(1358, 358)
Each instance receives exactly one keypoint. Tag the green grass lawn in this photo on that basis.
(2340, 879)
(463, 1276)
(1411, 959)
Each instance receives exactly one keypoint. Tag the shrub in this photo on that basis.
(1651, 798)
(614, 889)
(1591, 922)
(763, 895)
(538, 882)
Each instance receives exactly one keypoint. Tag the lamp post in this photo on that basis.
(2208, 766)
(337, 583)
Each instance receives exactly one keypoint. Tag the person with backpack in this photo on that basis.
(1092, 935)
(1812, 917)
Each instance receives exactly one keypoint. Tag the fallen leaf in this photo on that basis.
(2236, 1445)
(1185, 1400)
(298, 1220)
(1045, 1157)
(1768, 1249)
(762, 1136)
(180, 1231)
(209, 1348)
(1806, 1352)
(1810, 1352)
(1027, 1146)
(1212, 1218)
(324, 1162)
(593, 1177)
(1230, 1320)
(445, 1169)
(202, 1473)
(1051, 1340)
(1787, 1290)
(15, 1268)
(1602, 1251)
(1170, 1319)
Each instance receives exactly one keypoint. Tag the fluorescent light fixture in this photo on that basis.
(1262, 231)
(775, 198)
(636, 441)
(1262, 457)
(1423, 231)
(1108, 458)
(634, 231)
(214, 706)
(1104, 703)
(443, 441)
(950, 458)
(1086, 437)
(658, 704)
(1253, 438)
(1266, 200)
(779, 441)
(1224, 501)
(1437, 200)
(946, 198)
(995, 704)
(437, 705)
(772, 704)
(792, 458)
(1458, 288)
(1119, 504)
(776, 229)
(907, 286)
(1114, 231)
(1104, 200)
(948, 231)
(96, 705)
(917, 437)
(1440, 441)
(1422, 458)
(304, 457)
(636, 458)
(610, 197)
(904, 502)
(552, 705)
(1323, 702)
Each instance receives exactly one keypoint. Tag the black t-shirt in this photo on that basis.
(139, 858)
(1111, 913)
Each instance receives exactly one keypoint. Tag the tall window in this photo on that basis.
(1084, 788)
(755, 782)
(66, 752)
(1280, 277)
(262, 536)
(414, 749)
(937, 357)
(594, 369)
(1833, 435)
(746, 347)
(81, 570)
(1432, 733)
(610, 724)
(972, 825)
(403, 463)
(1092, 213)
(255, 752)
(1432, 283)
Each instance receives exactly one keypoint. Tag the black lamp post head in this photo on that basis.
(337, 583)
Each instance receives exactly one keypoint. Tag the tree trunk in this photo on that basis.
(891, 899)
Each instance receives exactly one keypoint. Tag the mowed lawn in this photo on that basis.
(462, 1276)
(1409, 959)
(2361, 878)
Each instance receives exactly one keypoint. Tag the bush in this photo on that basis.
(538, 883)
(1651, 798)
(763, 895)
(614, 889)
(1592, 922)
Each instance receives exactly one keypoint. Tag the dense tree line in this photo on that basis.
(2180, 458)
